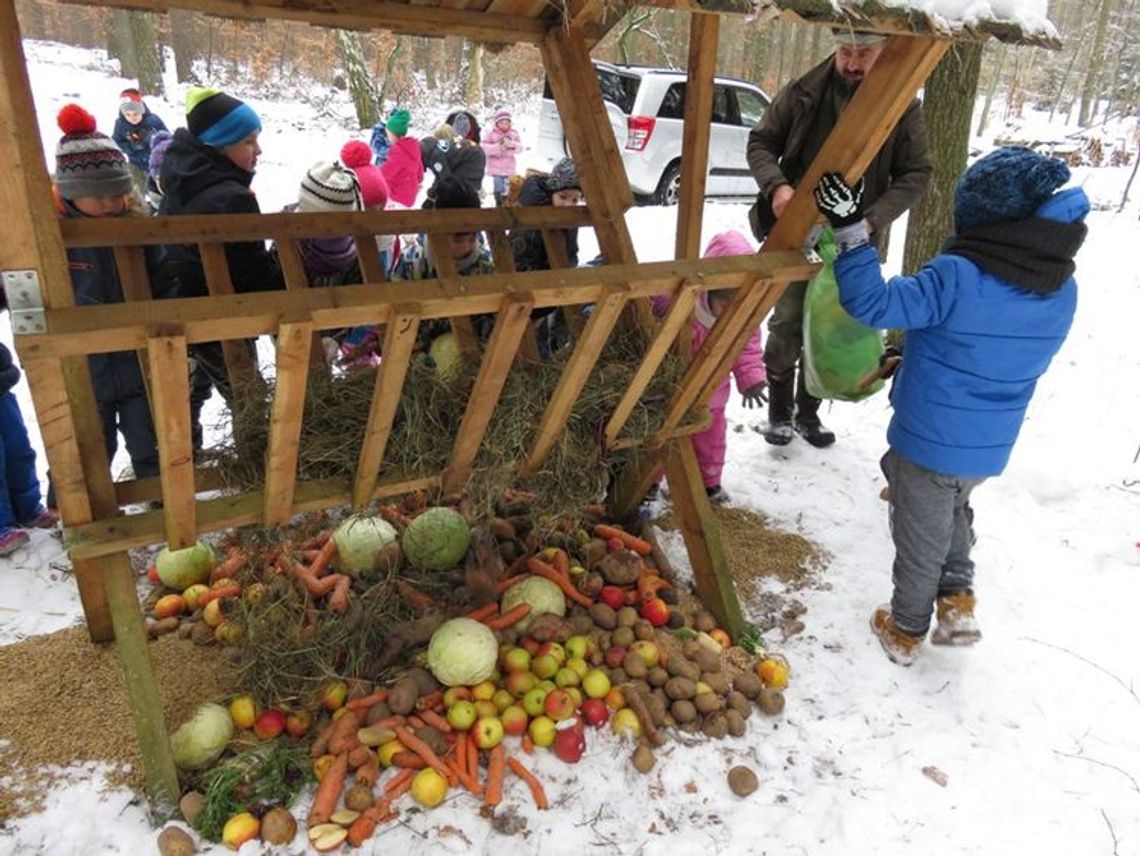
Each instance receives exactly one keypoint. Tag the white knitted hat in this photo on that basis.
(329, 187)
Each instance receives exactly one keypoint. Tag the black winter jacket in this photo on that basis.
(9, 374)
(134, 140)
(199, 179)
(527, 246)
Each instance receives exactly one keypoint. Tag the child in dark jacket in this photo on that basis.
(92, 181)
(984, 319)
(208, 169)
(135, 127)
(560, 188)
(20, 506)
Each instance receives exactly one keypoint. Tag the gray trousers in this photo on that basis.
(783, 351)
(932, 526)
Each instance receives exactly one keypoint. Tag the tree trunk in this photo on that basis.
(360, 85)
(148, 58)
(947, 108)
(182, 41)
(473, 85)
(799, 50)
(1089, 91)
(397, 49)
(120, 45)
(991, 89)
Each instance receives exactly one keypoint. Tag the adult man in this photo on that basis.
(780, 150)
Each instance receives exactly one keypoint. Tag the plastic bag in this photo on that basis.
(839, 352)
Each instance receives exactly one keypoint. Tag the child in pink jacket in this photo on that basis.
(751, 378)
(403, 171)
(501, 143)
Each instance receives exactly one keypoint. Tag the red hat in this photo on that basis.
(357, 156)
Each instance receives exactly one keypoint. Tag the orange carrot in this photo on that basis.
(229, 566)
(527, 744)
(399, 783)
(632, 542)
(430, 717)
(343, 737)
(464, 778)
(484, 612)
(360, 755)
(415, 723)
(389, 722)
(365, 702)
(321, 743)
(415, 598)
(560, 561)
(408, 761)
(338, 600)
(218, 594)
(324, 558)
(328, 791)
(422, 749)
(534, 784)
(319, 540)
(541, 569)
(367, 774)
(431, 701)
(310, 555)
(508, 582)
(495, 771)
(472, 759)
(315, 587)
(364, 826)
(502, 622)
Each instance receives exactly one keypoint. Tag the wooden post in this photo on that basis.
(461, 326)
(505, 263)
(702, 535)
(167, 356)
(704, 31)
(293, 269)
(240, 365)
(295, 341)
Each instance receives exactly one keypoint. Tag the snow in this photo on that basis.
(1034, 728)
(1030, 15)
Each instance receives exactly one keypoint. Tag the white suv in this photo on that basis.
(646, 107)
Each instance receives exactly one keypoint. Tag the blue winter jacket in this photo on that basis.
(134, 140)
(974, 351)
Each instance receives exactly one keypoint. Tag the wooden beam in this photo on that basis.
(167, 354)
(369, 254)
(505, 263)
(135, 282)
(294, 349)
(702, 536)
(512, 321)
(574, 376)
(461, 327)
(240, 367)
(293, 268)
(704, 33)
(105, 328)
(399, 340)
(139, 490)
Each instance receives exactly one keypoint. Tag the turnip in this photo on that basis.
(359, 540)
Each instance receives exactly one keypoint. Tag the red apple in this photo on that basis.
(596, 712)
(530, 644)
(298, 724)
(570, 743)
(559, 705)
(515, 720)
(517, 660)
(269, 724)
(615, 545)
(612, 596)
(487, 732)
(519, 684)
(554, 649)
(615, 654)
(655, 611)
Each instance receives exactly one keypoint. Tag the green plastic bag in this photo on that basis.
(839, 352)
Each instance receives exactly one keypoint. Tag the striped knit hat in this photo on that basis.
(218, 119)
(329, 187)
(87, 163)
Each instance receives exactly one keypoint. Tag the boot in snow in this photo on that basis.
(956, 622)
(900, 648)
(781, 402)
(815, 434)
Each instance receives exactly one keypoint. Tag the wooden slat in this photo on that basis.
(171, 394)
(512, 321)
(293, 268)
(704, 32)
(239, 363)
(702, 536)
(139, 490)
(461, 327)
(587, 350)
(399, 340)
(112, 535)
(369, 255)
(135, 282)
(554, 240)
(294, 347)
(676, 319)
(505, 263)
(100, 329)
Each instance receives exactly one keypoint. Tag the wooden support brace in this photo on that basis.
(293, 267)
(294, 348)
(704, 32)
(505, 263)
(369, 255)
(167, 354)
(512, 322)
(135, 282)
(702, 535)
(399, 340)
(461, 325)
(240, 366)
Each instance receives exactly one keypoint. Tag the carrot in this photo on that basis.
(365, 702)
(218, 594)
(541, 569)
(534, 784)
(328, 791)
(408, 761)
(560, 561)
(430, 717)
(415, 723)
(484, 612)
(228, 567)
(310, 555)
(632, 542)
(422, 749)
(495, 771)
(431, 701)
(319, 540)
(364, 826)
(464, 778)
(367, 774)
(502, 622)
(415, 598)
(397, 785)
(315, 587)
(359, 756)
(472, 759)
(343, 735)
(389, 722)
(527, 744)
(321, 743)
(505, 584)
(324, 558)
(338, 600)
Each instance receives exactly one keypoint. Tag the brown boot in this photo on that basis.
(901, 648)
(956, 623)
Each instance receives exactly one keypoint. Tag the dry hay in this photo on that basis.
(427, 421)
(65, 703)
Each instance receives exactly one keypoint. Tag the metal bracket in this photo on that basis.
(25, 302)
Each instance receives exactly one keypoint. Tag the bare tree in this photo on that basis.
(1089, 91)
(991, 88)
(473, 88)
(147, 52)
(182, 26)
(360, 87)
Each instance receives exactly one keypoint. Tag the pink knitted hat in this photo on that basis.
(357, 156)
(729, 243)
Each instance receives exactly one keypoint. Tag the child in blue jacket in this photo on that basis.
(984, 319)
(20, 506)
(134, 134)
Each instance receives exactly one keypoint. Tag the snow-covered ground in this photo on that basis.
(1034, 729)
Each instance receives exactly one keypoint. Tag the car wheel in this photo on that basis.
(669, 188)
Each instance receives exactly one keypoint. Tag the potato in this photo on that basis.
(742, 781)
(683, 711)
(627, 617)
(680, 688)
(704, 622)
(592, 584)
(771, 701)
(682, 667)
(434, 738)
(378, 711)
(202, 634)
(717, 681)
(278, 826)
(634, 665)
(735, 722)
(174, 841)
(425, 680)
(715, 725)
(643, 759)
(623, 636)
(657, 705)
(620, 569)
(747, 684)
(402, 697)
(706, 660)
(191, 806)
(691, 727)
(618, 676)
(604, 616)
(580, 625)
(690, 647)
(708, 703)
(642, 629)
(737, 701)
(657, 677)
(549, 627)
(676, 619)
(594, 551)
(359, 798)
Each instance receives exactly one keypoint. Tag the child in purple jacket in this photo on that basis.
(501, 143)
(751, 378)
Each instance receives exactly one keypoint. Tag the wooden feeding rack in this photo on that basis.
(54, 337)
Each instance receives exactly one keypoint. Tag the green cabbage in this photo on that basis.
(542, 595)
(462, 652)
(359, 540)
(180, 569)
(201, 741)
(445, 353)
(437, 539)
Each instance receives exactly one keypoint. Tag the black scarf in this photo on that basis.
(1035, 254)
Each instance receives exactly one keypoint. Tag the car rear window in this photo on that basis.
(618, 89)
(673, 104)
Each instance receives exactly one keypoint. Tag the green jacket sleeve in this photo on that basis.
(766, 143)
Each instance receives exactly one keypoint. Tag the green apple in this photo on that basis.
(576, 696)
(519, 684)
(484, 707)
(485, 691)
(544, 666)
(487, 732)
(517, 660)
(502, 700)
(553, 649)
(533, 701)
(578, 665)
(547, 685)
(578, 646)
(647, 650)
(567, 678)
(461, 715)
(596, 683)
(626, 724)
(542, 731)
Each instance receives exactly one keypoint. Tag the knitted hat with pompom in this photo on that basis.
(1007, 185)
(87, 163)
(357, 156)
